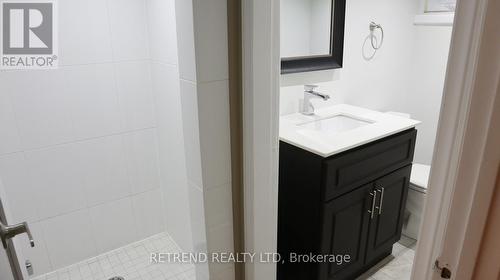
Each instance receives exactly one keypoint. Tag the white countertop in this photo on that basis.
(326, 144)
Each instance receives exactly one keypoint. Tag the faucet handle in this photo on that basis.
(310, 87)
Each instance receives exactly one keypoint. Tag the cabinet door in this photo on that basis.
(345, 229)
(386, 224)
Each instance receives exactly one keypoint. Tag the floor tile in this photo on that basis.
(131, 262)
(397, 266)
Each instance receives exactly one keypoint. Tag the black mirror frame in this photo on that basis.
(322, 62)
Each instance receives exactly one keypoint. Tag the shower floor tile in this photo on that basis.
(131, 262)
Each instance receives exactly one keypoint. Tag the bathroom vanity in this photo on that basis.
(343, 182)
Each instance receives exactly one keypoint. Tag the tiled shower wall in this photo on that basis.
(166, 88)
(80, 148)
(203, 63)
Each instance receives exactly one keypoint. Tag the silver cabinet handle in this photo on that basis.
(374, 199)
(381, 190)
(8, 232)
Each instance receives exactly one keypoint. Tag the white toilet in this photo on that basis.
(416, 194)
(416, 197)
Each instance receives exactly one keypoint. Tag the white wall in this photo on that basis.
(405, 75)
(203, 61)
(189, 101)
(94, 150)
(166, 88)
(423, 100)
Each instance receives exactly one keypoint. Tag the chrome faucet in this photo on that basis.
(309, 93)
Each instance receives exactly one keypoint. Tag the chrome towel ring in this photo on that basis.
(373, 27)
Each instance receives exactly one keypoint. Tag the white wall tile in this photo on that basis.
(88, 173)
(18, 189)
(177, 215)
(84, 35)
(94, 103)
(10, 141)
(148, 212)
(105, 170)
(69, 238)
(219, 205)
(220, 239)
(63, 105)
(133, 80)
(169, 121)
(42, 111)
(129, 34)
(206, 121)
(37, 255)
(197, 205)
(224, 274)
(185, 39)
(58, 179)
(202, 272)
(191, 131)
(172, 156)
(142, 149)
(213, 100)
(113, 224)
(162, 30)
(210, 19)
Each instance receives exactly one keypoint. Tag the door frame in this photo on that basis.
(456, 124)
(473, 156)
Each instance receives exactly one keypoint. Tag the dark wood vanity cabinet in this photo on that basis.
(350, 204)
(345, 232)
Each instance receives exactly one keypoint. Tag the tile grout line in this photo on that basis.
(128, 265)
(79, 141)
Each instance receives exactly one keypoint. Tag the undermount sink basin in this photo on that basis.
(333, 124)
(334, 129)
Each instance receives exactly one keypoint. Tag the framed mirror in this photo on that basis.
(311, 35)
